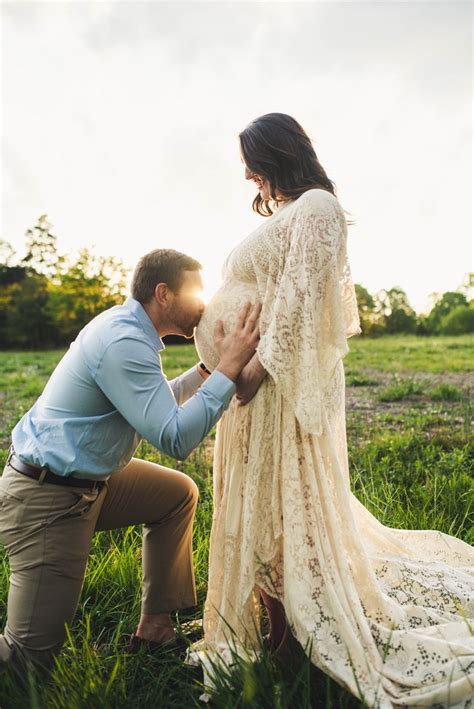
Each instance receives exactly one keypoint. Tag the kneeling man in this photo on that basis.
(70, 471)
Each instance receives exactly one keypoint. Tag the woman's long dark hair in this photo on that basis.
(277, 148)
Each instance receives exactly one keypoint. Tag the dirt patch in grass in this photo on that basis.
(424, 410)
(362, 397)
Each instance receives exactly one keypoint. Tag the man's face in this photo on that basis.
(187, 304)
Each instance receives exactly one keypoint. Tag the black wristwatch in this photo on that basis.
(202, 366)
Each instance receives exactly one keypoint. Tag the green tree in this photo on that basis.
(41, 249)
(371, 321)
(23, 295)
(397, 313)
(83, 288)
(7, 254)
(467, 287)
(46, 298)
(445, 304)
(459, 321)
(24, 321)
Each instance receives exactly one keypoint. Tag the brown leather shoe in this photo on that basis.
(174, 646)
(177, 645)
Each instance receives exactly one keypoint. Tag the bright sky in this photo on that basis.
(120, 121)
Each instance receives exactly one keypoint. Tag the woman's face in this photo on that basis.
(262, 184)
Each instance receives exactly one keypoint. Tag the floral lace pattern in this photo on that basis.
(387, 613)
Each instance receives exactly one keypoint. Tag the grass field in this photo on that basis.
(410, 450)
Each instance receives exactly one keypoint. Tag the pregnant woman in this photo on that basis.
(383, 611)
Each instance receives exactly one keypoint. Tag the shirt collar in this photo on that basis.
(140, 313)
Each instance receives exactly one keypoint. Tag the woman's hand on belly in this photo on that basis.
(249, 381)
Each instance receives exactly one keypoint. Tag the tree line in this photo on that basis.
(47, 297)
(389, 312)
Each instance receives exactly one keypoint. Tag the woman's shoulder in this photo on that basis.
(316, 198)
(318, 205)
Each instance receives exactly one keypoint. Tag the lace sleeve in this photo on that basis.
(311, 309)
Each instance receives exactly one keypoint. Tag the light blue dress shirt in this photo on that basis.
(108, 392)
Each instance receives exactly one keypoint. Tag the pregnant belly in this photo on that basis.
(224, 305)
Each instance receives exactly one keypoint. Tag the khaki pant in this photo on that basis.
(47, 531)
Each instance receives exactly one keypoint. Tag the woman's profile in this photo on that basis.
(384, 611)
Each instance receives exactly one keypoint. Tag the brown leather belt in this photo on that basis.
(47, 476)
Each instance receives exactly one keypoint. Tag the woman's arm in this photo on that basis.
(250, 380)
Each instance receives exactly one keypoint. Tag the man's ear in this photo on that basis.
(162, 294)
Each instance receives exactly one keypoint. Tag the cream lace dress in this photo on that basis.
(386, 610)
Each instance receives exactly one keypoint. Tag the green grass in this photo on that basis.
(445, 392)
(399, 390)
(410, 451)
(399, 353)
(356, 379)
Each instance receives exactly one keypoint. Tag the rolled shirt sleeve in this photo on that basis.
(131, 377)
